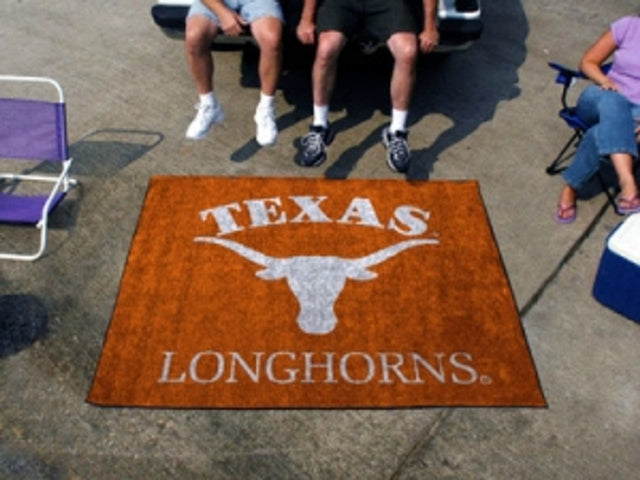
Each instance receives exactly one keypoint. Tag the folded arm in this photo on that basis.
(595, 56)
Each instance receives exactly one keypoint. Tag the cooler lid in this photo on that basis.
(625, 240)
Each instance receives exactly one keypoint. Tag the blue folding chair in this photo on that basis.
(568, 77)
(32, 129)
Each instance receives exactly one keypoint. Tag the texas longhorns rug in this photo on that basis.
(314, 293)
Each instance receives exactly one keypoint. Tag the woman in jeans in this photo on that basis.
(609, 108)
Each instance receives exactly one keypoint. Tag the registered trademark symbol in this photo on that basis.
(486, 380)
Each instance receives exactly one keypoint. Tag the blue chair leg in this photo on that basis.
(608, 193)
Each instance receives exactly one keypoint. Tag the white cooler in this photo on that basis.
(617, 283)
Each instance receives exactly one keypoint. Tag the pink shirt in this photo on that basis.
(625, 71)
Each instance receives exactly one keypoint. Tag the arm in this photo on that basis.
(429, 36)
(230, 21)
(595, 57)
(306, 29)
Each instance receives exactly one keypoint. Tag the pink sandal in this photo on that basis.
(627, 206)
(566, 213)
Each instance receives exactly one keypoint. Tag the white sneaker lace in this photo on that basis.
(313, 142)
(265, 117)
(397, 145)
(205, 112)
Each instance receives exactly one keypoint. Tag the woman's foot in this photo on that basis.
(627, 206)
(566, 210)
(566, 213)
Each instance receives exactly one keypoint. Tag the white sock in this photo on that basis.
(321, 115)
(207, 99)
(398, 120)
(266, 101)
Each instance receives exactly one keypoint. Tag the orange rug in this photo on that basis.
(292, 293)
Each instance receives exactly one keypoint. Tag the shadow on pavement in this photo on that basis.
(105, 152)
(23, 320)
(98, 155)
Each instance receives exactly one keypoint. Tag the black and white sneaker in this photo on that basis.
(398, 153)
(313, 146)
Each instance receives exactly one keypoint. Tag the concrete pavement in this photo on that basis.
(488, 113)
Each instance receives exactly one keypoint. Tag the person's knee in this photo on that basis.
(329, 47)
(198, 36)
(269, 36)
(404, 47)
(614, 99)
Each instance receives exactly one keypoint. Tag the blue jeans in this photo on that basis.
(610, 117)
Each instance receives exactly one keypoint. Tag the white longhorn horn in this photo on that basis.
(246, 252)
(386, 253)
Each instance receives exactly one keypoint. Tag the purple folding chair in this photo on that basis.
(32, 129)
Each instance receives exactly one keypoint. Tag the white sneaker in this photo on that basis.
(266, 129)
(207, 116)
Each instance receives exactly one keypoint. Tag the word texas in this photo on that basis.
(406, 220)
(317, 281)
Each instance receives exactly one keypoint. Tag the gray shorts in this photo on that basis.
(250, 10)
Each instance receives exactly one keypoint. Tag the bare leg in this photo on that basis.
(567, 196)
(623, 165)
(200, 32)
(325, 66)
(404, 48)
(268, 33)
(323, 77)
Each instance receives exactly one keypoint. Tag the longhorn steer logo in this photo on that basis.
(316, 281)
